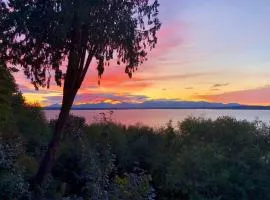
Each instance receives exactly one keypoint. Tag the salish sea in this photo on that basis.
(158, 118)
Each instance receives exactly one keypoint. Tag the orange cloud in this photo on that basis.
(114, 80)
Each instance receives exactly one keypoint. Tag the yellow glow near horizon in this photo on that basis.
(34, 98)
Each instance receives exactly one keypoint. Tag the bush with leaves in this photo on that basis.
(90, 170)
(134, 186)
(221, 159)
(13, 186)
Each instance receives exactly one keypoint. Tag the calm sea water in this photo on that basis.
(157, 118)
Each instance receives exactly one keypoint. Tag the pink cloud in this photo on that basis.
(170, 36)
(258, 96)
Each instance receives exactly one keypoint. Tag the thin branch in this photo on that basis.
(86, 66)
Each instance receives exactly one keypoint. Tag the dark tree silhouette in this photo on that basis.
(38, 35)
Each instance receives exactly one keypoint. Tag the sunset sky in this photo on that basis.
(208, 50)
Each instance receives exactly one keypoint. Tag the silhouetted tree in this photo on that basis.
(7, 90)
(39, 35)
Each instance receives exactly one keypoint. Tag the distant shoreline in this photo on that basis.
(172, 108)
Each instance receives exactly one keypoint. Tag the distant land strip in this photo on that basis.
(167, 108)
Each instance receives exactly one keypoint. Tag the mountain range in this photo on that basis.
(160, 104)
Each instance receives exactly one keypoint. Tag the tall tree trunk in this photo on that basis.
(49, 158)
(75, 74)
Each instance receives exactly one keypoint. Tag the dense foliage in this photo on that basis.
(199, 159)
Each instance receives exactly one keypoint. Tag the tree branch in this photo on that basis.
(86, 66)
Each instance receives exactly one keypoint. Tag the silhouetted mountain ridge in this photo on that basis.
(160, 104)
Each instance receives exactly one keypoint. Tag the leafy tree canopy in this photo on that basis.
(40, 34)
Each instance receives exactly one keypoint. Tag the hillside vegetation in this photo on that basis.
(221, 159)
